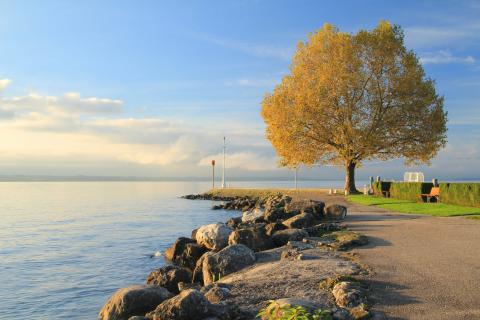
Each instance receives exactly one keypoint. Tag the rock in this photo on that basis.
(335, 212)
(226, 311)
(254, 215)
(349, 294)
(322, 228)
(231, 259)
(299, 245)
(184, 286)
(302, 220)
(315, 208)
(275, 208)
(133, 301)
(177, 248)
(213, 236)
(281, 238)
(191, 253)
(255, 238)
(138, 318)
(194, 234)
(273, 227)
(217, 294)
(169, 277)
(291, 255)
(198, 271)
(234, 222)
(188, 305)
(359, 312)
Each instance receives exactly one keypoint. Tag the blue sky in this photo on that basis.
(150, 87)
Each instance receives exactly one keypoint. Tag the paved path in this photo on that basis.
(424, 267)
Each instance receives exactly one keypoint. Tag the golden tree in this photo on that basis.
(354, 97)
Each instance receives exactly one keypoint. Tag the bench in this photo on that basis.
(434, 193)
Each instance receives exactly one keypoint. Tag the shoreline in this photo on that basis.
(281, 247)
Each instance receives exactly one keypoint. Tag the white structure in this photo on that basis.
(223, 168)
(413, 177)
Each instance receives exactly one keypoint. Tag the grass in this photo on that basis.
(260, 192)
(474, 217)
(406, 206)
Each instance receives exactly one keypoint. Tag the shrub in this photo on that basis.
(403, 190)
(463, 194)
(275, 311)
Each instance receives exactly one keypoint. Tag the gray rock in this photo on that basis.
(253, 215)
(315, 208)
(300, 221)
(234, 222)
(213, 236)
(198, 271)
(231, 259)
(169, 277)
(133, 301)
(177, 248)
(273, 227)
(189, 256)
(190, 304)
(217, 294)
(254, 237)
(281, 238)
(349, 294)
(335, 212)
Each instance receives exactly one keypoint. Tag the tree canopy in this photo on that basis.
(354, 97)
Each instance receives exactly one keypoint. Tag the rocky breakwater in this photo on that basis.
(277, 250)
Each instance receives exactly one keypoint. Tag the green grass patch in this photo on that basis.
(407, 206)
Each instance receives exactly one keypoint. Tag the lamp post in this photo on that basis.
(223, 168)
(213, 174)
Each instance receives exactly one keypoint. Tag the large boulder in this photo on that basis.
(281, 238)
(349, 294)
(234, 222)
(133, 301)
(275, 208)
(254, 215)
(169, 277)
(213, 236)
(335, 212)
(191, 253)
(254, 237)
(231, 259)
(190, 304)
(306, 206)
(300, 221)
(177, 248)
(198, 271)
(273, 227)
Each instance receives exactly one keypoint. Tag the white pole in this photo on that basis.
(296, 169)
(223, 168)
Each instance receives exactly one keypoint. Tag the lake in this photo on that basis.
(65, 247)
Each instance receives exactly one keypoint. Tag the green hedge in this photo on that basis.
(463, 194)
(403, 190)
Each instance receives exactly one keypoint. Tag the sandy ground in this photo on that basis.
(423, 267)
(271, 278)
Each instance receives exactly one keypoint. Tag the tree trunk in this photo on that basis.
(350, 177)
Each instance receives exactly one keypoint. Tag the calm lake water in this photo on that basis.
(65, 247)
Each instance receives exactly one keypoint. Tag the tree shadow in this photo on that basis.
(386, 294)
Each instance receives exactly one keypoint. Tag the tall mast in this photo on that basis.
(223, 168)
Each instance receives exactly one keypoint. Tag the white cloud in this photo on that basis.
(253, 82)
(444, 56)
(257, 50)
(243, 160)
(4, 83)
(420, 36)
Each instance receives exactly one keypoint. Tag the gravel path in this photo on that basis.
(423, 267)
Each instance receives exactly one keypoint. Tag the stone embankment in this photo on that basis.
(278, 253)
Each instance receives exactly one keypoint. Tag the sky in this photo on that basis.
(149, 88)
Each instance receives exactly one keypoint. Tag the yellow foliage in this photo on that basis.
(353, 97)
